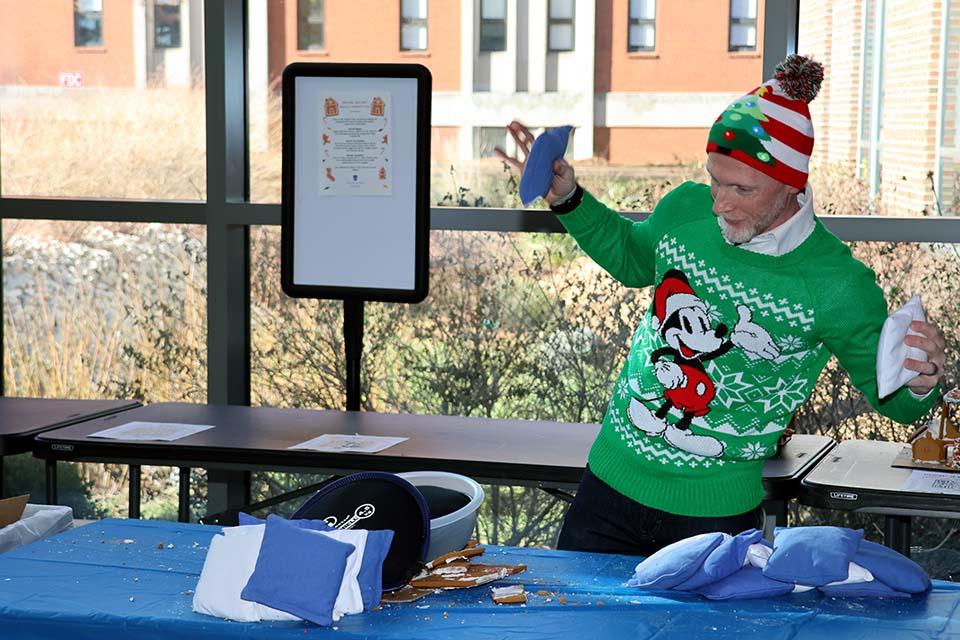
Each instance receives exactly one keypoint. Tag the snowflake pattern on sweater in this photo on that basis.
(710, 372)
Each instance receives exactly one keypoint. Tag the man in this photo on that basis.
(752, 296)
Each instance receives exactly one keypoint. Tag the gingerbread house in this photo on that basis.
(941, 446)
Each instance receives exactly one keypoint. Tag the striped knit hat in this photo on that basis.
(769, 129)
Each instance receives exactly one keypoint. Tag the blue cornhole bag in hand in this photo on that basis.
(675, 563)
(812, 556)
(538, 171)
(895, 570)
(748, 582)
(725, 560)
(298, 571)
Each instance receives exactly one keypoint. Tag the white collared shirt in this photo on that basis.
(786, 237)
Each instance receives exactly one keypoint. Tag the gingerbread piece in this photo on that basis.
(464, 576)
(405, 594)
(513, 594)
(463, 555)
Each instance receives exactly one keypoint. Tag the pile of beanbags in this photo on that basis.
(837, 561)
(282, 569)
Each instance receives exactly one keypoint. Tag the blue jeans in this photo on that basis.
(603, 520)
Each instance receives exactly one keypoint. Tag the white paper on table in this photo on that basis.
(933, 482)
(165, 431)
(337, 443)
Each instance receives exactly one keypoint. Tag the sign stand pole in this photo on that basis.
(353, 349)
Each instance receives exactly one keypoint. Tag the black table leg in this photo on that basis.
(51, 481)
(133, 510)
(227, 489)
(183, 511)
(896, 534)
(2, 494)
(776, 509)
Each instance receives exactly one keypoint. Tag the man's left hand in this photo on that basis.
(931, 341)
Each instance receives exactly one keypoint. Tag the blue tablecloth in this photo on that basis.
(122, 579)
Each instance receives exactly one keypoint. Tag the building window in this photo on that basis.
(493, 25)
(560, 26)
(486, 139)
(743, 25)
(88, 23)
(310, 25)
(413, 25)
(166, 24)
(643, 25)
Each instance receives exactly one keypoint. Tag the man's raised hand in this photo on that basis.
(564, 177)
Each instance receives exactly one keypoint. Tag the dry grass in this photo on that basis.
(104, 144)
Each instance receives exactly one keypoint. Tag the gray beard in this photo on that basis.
(742, 236)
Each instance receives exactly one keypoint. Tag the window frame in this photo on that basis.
(571, 22)
(639, 22)
(304, 20)
(422, 23)
(79, 14)
(487, 22)
(177, 42)
(740, 21)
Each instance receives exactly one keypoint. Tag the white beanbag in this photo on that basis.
(891, 351)
(229, 565)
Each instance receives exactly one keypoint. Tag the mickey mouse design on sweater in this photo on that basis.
(682, 320)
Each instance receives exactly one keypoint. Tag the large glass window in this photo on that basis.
(642, 34)
(103, 310)
(166, 24)
(493, 25)
(413, 25)
(486, 139)
(560, 31)
(117, 124)
(88, 23)
(310, 25)
(743, 25)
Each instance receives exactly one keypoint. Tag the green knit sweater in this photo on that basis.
(731, 347)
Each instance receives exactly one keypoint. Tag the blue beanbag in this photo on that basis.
(303, 523)
(374, 553)
(895, 570)
(247, 519)
(748, 582)
(723, 561)
(371, 568)
(872, 589)
(812, 556)
(675, 563)
(538, 171)
(298, 571)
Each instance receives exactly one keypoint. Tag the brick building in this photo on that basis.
(639, 79)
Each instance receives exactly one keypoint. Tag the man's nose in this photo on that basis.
(721, 203)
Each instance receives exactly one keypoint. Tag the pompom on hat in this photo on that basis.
(769, 129)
